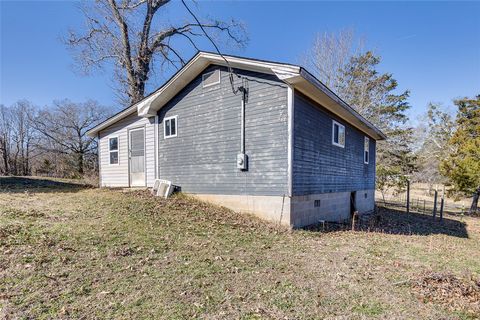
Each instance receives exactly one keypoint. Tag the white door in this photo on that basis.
(136, 156)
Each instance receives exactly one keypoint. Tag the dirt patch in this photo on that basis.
(456, 293)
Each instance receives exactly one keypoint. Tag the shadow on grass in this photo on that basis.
(31, 184)
(393, 221)
(399, 222)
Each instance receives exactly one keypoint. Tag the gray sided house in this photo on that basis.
(284, 147)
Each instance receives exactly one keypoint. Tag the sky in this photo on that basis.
(431, 48)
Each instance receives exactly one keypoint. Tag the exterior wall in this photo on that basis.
(117, 175)
(202, 158)
(325, 172)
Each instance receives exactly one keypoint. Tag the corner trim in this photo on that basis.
(155, 139)
(290, 132)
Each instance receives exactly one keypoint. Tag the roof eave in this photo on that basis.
(306, 79)
(293, 75)
(122, 114)
(199, 62)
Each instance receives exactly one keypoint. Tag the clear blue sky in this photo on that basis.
(432, 48)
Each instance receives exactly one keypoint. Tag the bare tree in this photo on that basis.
(129, 35)
(330, 54)
(23, 136)
(16, 138)
(5, 138)
(434, 134)
(64, 127)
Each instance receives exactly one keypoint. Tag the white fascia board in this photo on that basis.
(150, 106)
(306, 83)
(345, 112)
(250, 64)
(94, 131)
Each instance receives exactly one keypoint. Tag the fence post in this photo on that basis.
(435, 204)
(408, 196)
(442, 202)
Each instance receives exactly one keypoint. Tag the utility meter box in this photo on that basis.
(242, 161)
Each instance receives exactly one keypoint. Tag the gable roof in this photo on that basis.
(293, 75)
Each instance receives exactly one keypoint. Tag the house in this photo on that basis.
(283, 146)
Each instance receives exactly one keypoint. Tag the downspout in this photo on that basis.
(99, 161)
(242, 121)
(242, 158)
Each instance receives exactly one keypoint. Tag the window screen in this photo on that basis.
(113, 150)
(170, 125)
(366, 150)
(338, 134)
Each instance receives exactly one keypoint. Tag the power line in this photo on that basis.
(230, 70)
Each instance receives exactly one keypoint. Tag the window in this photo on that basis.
(338, 134)
(211, 78)
(366, 150)
(170, 127)
(113, 149)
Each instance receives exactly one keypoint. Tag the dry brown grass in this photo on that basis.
(72, 252)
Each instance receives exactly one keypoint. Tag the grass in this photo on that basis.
(73, 251)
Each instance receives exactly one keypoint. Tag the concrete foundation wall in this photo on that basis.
(272, 208)
(365, 201)
(299, 211)
(329, 207)
(332, 207)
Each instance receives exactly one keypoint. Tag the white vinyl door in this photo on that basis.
(136, 155)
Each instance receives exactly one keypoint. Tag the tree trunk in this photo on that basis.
(80, 163)
(474, 207)
(5, 155)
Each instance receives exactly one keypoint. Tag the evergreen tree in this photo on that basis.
(374, 96)
(462, 166)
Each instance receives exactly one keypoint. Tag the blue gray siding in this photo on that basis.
(202, 158)
(319, 166)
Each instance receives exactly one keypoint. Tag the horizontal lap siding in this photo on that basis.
(117, 175)
(319, 166)
(202, 158)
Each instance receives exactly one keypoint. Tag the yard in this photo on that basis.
(72, 251)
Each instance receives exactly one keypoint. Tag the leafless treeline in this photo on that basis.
(49, 141)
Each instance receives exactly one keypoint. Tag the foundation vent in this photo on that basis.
(316, 203)
(366, 195)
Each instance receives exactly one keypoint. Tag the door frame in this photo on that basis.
(141, 127)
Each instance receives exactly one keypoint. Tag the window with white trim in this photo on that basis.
(211, 78)
(170, 127)
(338, 134)
(366, 150)
(113, 150)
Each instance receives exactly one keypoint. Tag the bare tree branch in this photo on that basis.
(126, 35)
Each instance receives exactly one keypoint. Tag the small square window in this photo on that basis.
(113, 150)
(170, 127)
(338, 134)
(366, 150)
